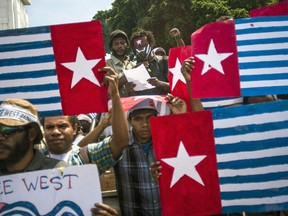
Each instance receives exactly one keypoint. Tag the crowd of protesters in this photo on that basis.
(71, 141)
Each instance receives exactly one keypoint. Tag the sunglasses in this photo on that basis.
(7, 131)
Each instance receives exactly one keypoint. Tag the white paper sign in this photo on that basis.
(54, 192)
(138, 76)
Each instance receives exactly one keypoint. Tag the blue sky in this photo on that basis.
(50, 12)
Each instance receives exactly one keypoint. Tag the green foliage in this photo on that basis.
(159, 16)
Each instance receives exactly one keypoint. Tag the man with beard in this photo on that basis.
(119, 45)
(19, 132)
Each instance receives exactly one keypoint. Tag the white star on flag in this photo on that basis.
(213, 59)
(82, 68)
(177, 75)
(184, 165)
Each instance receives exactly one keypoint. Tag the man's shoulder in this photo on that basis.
(56, 163)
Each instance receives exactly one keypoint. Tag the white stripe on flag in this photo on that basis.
(261, 24)
(255, 201)
(263, 58)
(29, 81)
(260, 71)
(258, 36)
(273, 46)
(266, 83)
(246, 120)
(252, 137)
(253, 186)
(31, 95)
(27, 53)
(252, 171)
(25, 38)
(242, 155)
(28, 67)
(48, 106)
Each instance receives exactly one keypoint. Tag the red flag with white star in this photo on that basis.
(79, 53)
(176, 80)
(216, 72)
(189, 182)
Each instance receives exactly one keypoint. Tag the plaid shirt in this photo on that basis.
(137, 193)
(100, 154)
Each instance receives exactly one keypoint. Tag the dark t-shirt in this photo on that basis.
(39, 162)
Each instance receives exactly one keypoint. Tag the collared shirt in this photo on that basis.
(39, 162)
(118, 66)
(138, 194)
(100, 154)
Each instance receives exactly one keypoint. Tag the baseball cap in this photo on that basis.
(18, 112)
(118, 33)
(147, 104)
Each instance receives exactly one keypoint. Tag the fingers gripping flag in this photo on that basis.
(176, 80)
(55, 68)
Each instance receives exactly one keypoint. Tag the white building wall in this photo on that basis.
(13, 14)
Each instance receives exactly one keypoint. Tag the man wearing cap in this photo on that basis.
(137, 192)
(119, 60)
(19, 132)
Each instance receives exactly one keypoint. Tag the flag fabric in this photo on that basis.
(252, 159)
(216, 71)
(55, 68)
(279, 9)
(261, 56)
(212, 103)
(252, 156)
(176, 80)
(186, 150)
(262, 44)
(159, 101)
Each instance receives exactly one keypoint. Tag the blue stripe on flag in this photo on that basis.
(252, 154)
(25, 46)
(27, 68)
(25, 31)
(34, 74)
(262, 44)
(262, 52)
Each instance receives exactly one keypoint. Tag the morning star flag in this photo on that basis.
(176, 80)
(262, 44)
(215, 73)
(55, 68)
(260, 58)
(252, 159)
(252, 156)
(186, 150)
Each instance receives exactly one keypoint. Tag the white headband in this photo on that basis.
(17, 113)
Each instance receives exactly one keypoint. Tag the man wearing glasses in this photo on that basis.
(19, 132)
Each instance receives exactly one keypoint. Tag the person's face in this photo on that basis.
(142, 47)
(59, 134)
(141, 125)
(119, 47)
(14, 146)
